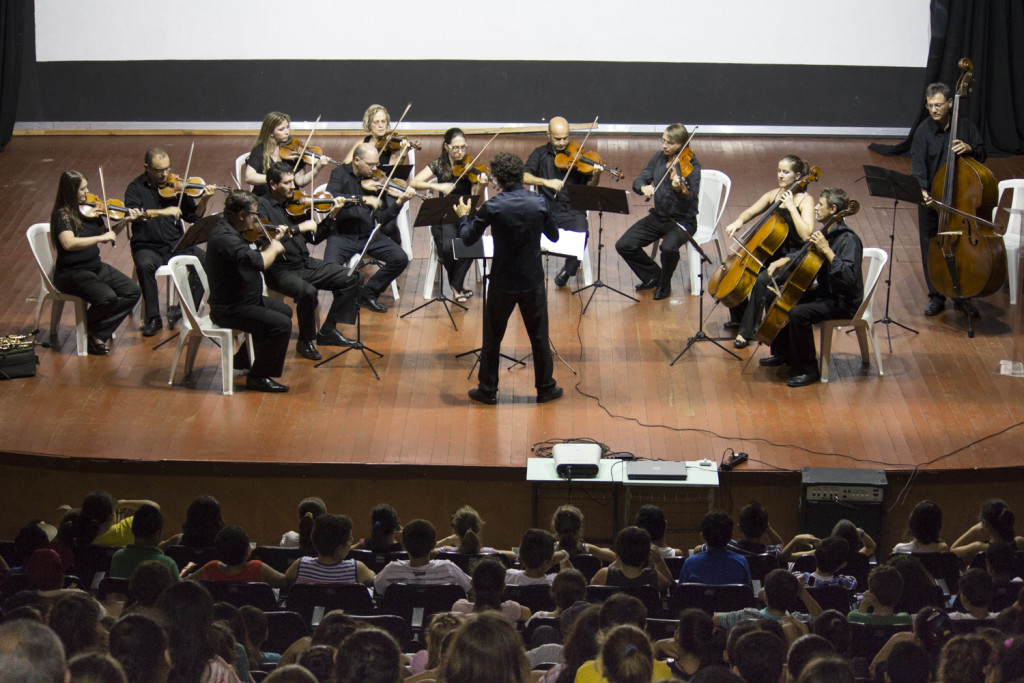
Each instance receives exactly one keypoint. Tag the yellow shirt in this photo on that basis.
(591, 673)
(120, 533)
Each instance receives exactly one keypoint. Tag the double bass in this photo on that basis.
(800, 274)
(966, 258)
(732, 281)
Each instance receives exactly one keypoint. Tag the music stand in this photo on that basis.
(883, 182)
(402, 170)
(437, 211)
(700, 335)
(600, 199)
(482, 249)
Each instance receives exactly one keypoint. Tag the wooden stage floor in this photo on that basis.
(941, 392)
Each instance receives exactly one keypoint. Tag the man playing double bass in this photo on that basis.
(541, 171)
(928, 153)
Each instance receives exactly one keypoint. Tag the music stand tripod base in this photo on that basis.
(358, 346)
(699, 335)
(600, 199)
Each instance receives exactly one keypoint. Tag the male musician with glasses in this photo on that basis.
(676, 201)
(541, 171)
(155, 233)
(301, 276)
(928, 154)
(355, 222)
(236, 292)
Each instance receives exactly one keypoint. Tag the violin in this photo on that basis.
(800, 274)
(193, 187)
(300, 202)
(265, 230)
(466, 168)
(376, 182)
(394, 143)
(291, 150)
(585, 161)
(732, 281)
(681, 168)
(93, 207)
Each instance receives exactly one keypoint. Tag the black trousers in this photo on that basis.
(797, 337)
(111, 296)
(456, 268)
(304, 284)
(147, 260)
(928, 227)
(573, 221)
(754, 309)
(643, 233)
(533, 308)
(269, 323)
(340, 248)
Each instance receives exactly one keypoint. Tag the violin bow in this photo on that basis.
(298, 160)
(675, 160)
(579, 151)
(106, 213)
(394, 129)
(184, 180)
(482, 150)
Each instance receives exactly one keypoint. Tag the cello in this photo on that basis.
(732, 281)
(802, 271)
(966, 258)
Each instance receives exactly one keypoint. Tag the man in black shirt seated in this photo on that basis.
(517, 218)
(236, 290)
(300, 276)
(156, 232)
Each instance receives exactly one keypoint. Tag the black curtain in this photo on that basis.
(12, 47)
(988, 32)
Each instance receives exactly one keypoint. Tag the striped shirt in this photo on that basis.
(311, 570)
(434, 572)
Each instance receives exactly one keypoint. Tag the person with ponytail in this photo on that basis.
(626, 657)
(98, 525)
(488, 589)
(309, 509)
(995, 525)
(697, 644)
(384, 525)
(465, 539)
(567, 524)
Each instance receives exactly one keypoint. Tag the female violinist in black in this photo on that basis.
(275, 132)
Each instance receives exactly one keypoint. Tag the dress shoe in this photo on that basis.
(803, 380)
(152, 326)
(485, 397)
(264, 384)
(96, 348)
(648, 284)
(731, 325)
(965, 306)
(934, 307)
(370, 302)
(562, 279)
(549, 394)
(307, 350)
(173, 316)
(333, 338)
(773, 361)
(740, 343)
(662, 293)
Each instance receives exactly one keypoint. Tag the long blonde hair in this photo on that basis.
(266, 136)
(371, 111)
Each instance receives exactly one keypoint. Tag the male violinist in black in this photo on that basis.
(354, 223)
(156, 232)
(838, 294)
(300, 276)
(541, 171)
(236, 291)
(928, 154)
(676, 202)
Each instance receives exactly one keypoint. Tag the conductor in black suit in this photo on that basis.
(517, 218)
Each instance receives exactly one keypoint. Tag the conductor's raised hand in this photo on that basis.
(462, 208)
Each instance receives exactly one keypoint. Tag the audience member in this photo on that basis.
(488, 589)
(332, 629)
(567, 524)
(759, 538)
(1008, 661)
(580, 645)
(384, 526)
(485, 648)
(95, 667)
(233, 563)
(833, 626)
(626, 656)
(309, 509)
(760, 657)
(619, 609)
(418, 538)
(29, 651)
(718, 564)
(965, 659)
(202, 522)
(651, 519)
(975, 596)
(748, 626)
(633, 566)
(75, 618)
(239, 650)
(97, 524)
(805, 649)
(697, 644)
(29, 538)
(192, 642)
(258, 628)
(465, 537)
(829, 669)
(995, 525)
(908, 663)
(441, 624)
(332, 540)
(568, 588)
(537, 554)
(932, 629)
(290, 673)
(319, 661)
(860, 549)
(885, 585)
(147, 523)
(44, 570)
(139, 644)
(919, 588)
(781, 589)
(148, 581)
(368, 656)
(830, 558)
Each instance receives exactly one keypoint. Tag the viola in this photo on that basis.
(583, 161)
(466, 168)
(732, 281)
(300, 202)
(799, 275)
(93, 207)
(291, 150)
(193, 187)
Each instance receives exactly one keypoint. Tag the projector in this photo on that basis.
(576, 460)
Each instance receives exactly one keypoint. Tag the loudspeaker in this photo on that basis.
(831, 494)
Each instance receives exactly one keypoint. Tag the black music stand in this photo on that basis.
(476, 251)
(402, 170)
(883, 182)
(600, 199)
(700, 335)
(438, 211)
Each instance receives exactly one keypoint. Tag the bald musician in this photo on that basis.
(541, 171)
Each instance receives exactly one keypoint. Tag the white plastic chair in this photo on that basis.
(240, 172)
(863, 319)
(714, 195)
(163, 272)
(1012, 237)
(195, 326)
(39, 241)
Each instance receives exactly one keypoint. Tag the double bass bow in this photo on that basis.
(731, 282)
(966, 258)
(800, 274)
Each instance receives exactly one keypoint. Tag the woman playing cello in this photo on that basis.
(275, 132)
(80, 271)
(453, 153)
(797, 210)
